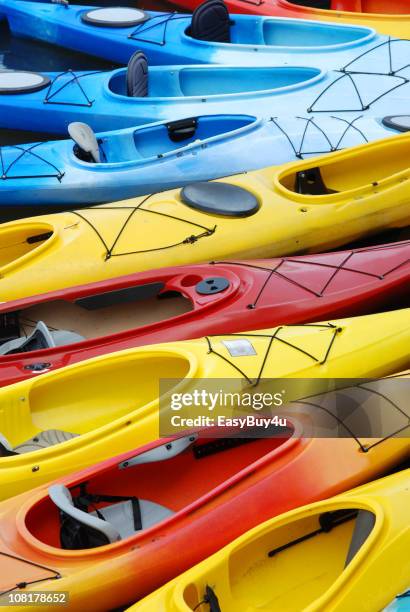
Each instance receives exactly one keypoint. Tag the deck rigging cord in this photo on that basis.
(271, 338)
(23, 153)
(158, 24)
(333, 268)
(312, 122)
(191, 239)
(74, 79)
(23, 584)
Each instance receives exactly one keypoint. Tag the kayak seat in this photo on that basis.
(41, 338)
(211, 22)
(44, 439)
(363, 527)
(310, 182)
(220, 199)
(137, 76)
(104, 525)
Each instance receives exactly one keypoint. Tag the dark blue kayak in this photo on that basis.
(210, 36)
(141, 94)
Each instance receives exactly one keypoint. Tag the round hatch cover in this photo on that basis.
(21, 81)
(209, 286)
(115, 17)
(398, 122)
(220, 199)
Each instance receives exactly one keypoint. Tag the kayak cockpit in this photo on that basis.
(299, 33)
(288, 567)
(351, 172)
(59, 323)
(160, 82)
(143, 490)
(220, 80)
(19, 241)
(211, 23)
(163, 139)
(81, 401)
(394, 7)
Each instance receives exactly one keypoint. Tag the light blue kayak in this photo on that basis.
(138, 161)
(209, 36)
(140, 95)
(400, 604)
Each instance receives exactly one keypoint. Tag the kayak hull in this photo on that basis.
(114, 417)
(138, 161)
(113, 575)
(52, 252)
(164, 38)
(387, 499)
(178, 92)
(305, 289)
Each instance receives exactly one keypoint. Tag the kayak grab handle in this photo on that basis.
(39, 237)
(37, 367)
(182, 129)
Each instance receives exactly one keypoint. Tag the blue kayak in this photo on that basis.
(128, 97)
(209, 36)
(138, 161)
(400, 604)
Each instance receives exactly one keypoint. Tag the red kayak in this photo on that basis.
(62, 327)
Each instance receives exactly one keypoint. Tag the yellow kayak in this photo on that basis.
(70, 418)
(347, 553)
(308, 206)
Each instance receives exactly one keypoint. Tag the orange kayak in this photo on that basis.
(113, 533)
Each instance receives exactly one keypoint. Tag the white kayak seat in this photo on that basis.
(137, 76)
(43, 439)
(41, 338)
(114, 522)
(62, 498)
(211, 22)
(87, 148)
(363, 527)
(121, 516)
